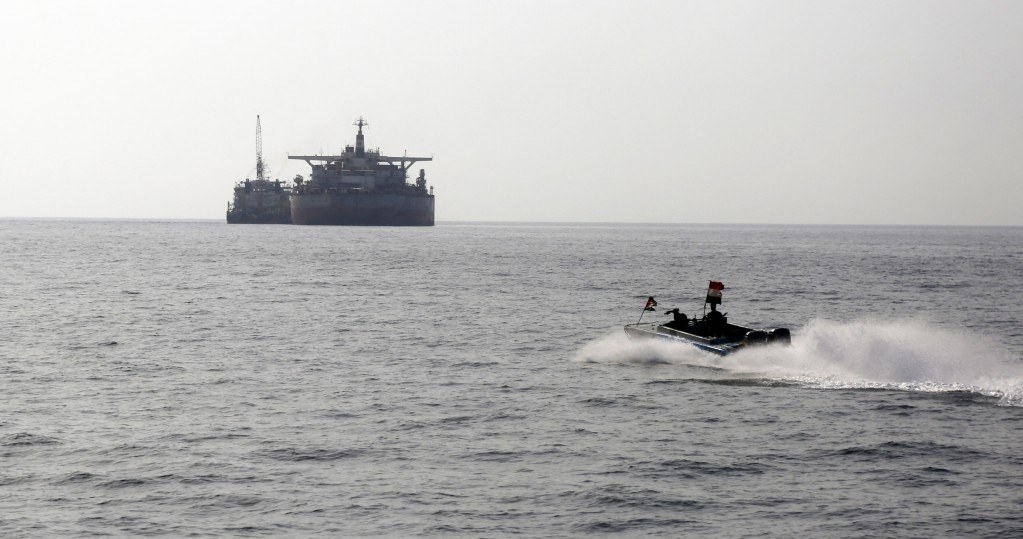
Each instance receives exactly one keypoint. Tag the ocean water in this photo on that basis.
(473, 380)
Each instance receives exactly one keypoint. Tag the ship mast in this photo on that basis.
(261, 169)
(360, 144)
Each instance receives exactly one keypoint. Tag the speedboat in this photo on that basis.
(711, 333)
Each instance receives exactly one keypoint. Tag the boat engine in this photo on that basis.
(755, 338)
(780, 335)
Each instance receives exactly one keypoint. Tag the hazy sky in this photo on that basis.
(907, 112)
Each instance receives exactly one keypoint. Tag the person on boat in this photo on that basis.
(679, 319)
(715, 320)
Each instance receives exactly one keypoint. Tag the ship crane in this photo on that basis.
(261, 170)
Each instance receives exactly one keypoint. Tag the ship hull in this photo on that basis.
(361, 209)
(265, 204)
(241, 218)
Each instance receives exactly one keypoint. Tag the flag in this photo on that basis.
(714, 292)
(650, 304)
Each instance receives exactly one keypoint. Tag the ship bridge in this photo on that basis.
(403, 161)
(358, 153)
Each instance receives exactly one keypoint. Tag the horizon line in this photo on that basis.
(540, 222)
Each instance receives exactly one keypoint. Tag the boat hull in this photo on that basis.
(721, 347)
(243, 218)
(731, 337)
(260, 206)
(362, 209)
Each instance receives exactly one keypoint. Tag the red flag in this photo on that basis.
(714, 292)
(650, 304)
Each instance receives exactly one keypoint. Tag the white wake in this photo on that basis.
(900, 354)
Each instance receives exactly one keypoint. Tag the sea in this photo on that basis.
(199, 379)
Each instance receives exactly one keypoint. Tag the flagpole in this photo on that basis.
(705, 308)
(648, 306)
(714, 289)
(705, 302)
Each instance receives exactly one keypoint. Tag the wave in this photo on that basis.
(898, 354)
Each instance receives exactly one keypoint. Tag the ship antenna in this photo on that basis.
(360, 142)
(261, 169)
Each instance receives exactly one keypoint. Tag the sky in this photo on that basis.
(773, 112)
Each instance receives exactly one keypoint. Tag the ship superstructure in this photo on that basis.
(361, 187)
(260, 201)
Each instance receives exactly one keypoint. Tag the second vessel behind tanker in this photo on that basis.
(361, 187)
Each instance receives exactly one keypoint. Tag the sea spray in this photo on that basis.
(887, 352)
(898, 354)
(619, 348)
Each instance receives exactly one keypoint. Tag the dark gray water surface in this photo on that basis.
(195, 378)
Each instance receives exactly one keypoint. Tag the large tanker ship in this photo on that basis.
(361, 187)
